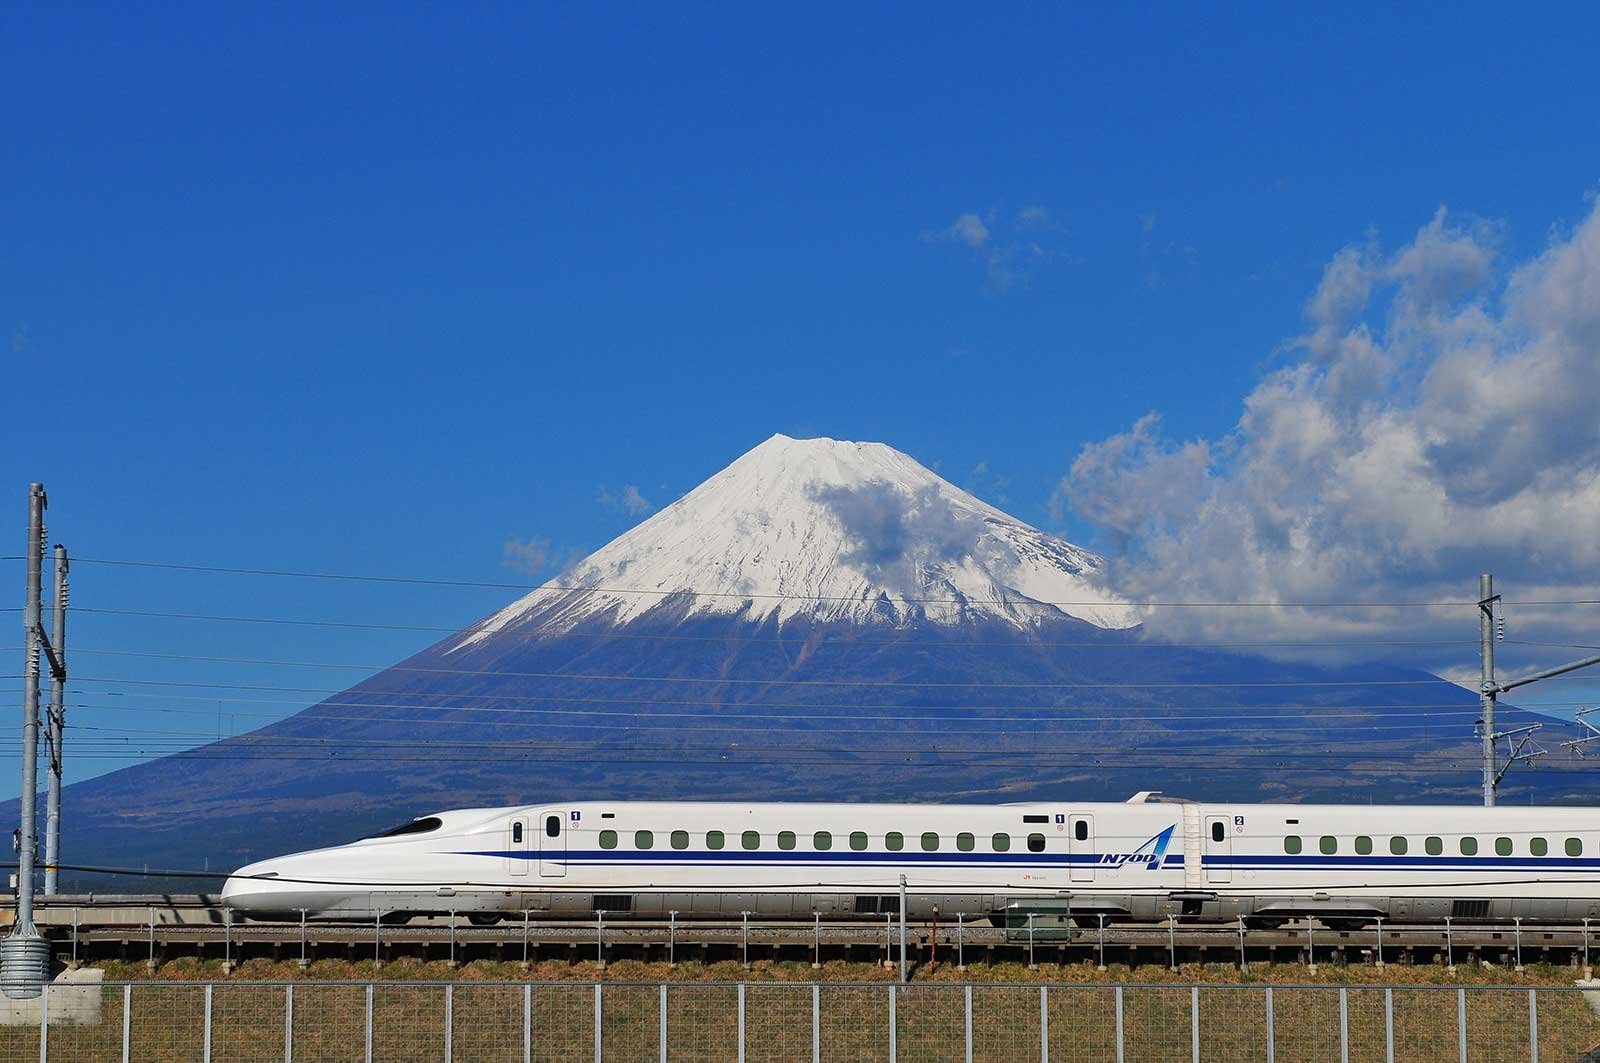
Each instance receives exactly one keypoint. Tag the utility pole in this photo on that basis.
(24, 955)
(56, 725)
(1491, 688)
(1487, 691)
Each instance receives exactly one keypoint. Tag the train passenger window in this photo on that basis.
(1574, 846)
(1291, 844)
(1539, 847)
(1216, 831)
(552, 826)
(1364, 845)
(644, 839)
(1036, 843)
(1502, 846)
(1001, 843)
(786, 839)
(1432, 846)
(1080, 830)
(965, 842)
(1469, 847)
(858, 840)
(516, 833)
(608, 839)
(1399, 846)
(930, 842)
(715, 839)
(680, 839)
(822, 841)
(750, 839)
(1328, 844)
(894, 841)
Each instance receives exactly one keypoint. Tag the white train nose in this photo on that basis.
(254, 887)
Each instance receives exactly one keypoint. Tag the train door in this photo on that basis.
(517, 846)
(1080, 847)
(553, 843)
(1219, 849)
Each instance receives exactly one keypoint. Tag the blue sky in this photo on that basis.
(377, 290)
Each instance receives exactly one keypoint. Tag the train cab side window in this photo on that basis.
(822, 841)
(1574, 846)
(858, 840)
(1291, 844)
(608, 839)
(516, 833)
(1539, 847)
(1216, 831)
(965, 842)
(930, 842)
(750, 839)
(894, 841)
(1469, 847)
(552, 826)
(715, 839)
(1363, 845)
(1036, 843)
(1328, 844)
(786, 839)
(1502, 846)
(644, 839)
(1080, 831)
(1001, 843)
(1399, 846)
(680, 839)
(1433, 846)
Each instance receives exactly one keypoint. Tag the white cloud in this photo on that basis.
(629, 500)
(1010, 246)
(527, 556)
(1441, 417)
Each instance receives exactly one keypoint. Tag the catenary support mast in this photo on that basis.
(1487, 691)
(57, 723)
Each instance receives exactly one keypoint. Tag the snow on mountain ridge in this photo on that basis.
(830, 530)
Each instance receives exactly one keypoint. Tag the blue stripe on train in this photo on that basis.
(736, 856)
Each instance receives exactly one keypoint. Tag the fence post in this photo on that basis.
(1117, 996)
(816, 941)
(377, 941)
(205, 1042)
(1243, 966)
(1379, 953)
(525, 915)
(961, 944)
(1272, 1047)
(1031, 965)
(1311, 944)
(1588, 972)
(150, 964)
(44, 1023)
(600, 939)
(745, 938)
(227, 939)
(288, 1023)
(452, 939)
(1101, 966)
(449, 1018)
(1194, 1024)
(672, 953)
(1519, 968)
(816, 1023)
(527, 1025)
(894, 1026)
(741, 1022)
(967, 995)
(1172, 942)
(1461, 1022)
(1344, 1025)
(1388, 1026)
(1449, 948)
(663, 1052)
(598, 1011)
(1044, 1024)
(127, 1022)
(74, 936)
(1533, 1026)
(367, 1056)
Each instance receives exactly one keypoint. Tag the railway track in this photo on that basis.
(164, 927)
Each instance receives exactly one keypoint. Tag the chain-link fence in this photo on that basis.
(768, 1022)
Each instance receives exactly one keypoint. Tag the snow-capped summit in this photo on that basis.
(833, 531)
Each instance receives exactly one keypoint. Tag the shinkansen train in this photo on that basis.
(1146, 858)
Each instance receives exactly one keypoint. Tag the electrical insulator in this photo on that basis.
(1500, 628)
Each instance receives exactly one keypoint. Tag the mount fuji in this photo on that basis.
(821, 619)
